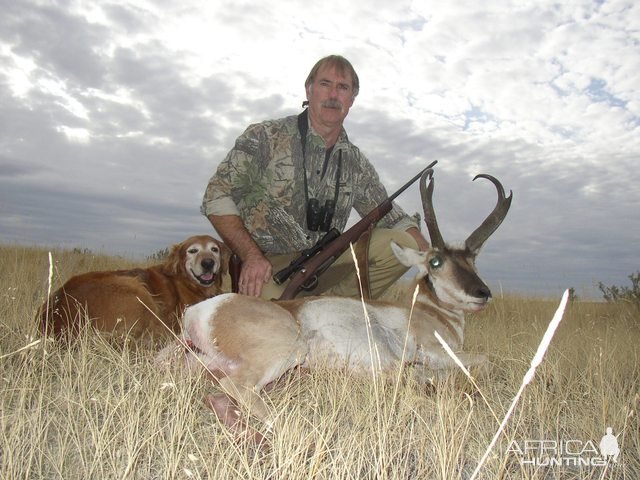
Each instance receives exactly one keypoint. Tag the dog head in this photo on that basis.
(202, 258)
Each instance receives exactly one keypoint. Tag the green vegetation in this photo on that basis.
(623, 294)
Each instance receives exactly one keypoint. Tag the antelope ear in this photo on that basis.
(409, 257)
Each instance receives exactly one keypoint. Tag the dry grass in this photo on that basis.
(98, 412)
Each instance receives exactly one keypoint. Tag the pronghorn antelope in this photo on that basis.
(247, 342)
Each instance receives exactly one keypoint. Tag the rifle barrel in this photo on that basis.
(410, 182)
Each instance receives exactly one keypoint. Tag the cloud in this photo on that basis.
(114, 116)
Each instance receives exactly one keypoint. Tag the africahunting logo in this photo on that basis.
(569, 453)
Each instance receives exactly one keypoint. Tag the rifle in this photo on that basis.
(315, 260)
(282, 276)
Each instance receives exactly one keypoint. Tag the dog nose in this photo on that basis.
(208, 264)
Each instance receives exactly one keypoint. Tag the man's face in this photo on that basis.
(330, 97)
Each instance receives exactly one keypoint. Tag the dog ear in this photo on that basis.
(225, 256)
(174, 260)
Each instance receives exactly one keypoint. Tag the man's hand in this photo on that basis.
(256, 271)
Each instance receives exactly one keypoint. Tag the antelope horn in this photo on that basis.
(426, 193)
(480, 235)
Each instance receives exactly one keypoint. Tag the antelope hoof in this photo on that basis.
(229, 414)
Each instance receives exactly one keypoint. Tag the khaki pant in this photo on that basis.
(341, 279)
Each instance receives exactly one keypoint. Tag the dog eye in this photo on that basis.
(215, 249)
(192, 250)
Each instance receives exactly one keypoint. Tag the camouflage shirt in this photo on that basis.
(261, 180)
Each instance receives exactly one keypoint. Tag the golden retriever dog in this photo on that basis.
(131, 302)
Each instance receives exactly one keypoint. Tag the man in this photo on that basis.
(272, 195)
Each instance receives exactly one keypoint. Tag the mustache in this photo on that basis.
(332, 103)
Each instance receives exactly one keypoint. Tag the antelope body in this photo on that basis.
(248, 342)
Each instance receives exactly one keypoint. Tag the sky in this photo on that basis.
(114, 115)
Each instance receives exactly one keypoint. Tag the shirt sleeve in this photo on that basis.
(218, 198)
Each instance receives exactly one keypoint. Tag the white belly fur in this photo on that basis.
(337, 333)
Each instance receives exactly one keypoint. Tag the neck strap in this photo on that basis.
(303, 128)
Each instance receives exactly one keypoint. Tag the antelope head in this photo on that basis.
(450, 273)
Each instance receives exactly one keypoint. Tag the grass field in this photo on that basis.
(96, 412)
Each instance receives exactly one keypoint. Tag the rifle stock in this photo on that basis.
(329, 254)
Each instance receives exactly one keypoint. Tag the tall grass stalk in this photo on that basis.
(537, 359)
(464, 369)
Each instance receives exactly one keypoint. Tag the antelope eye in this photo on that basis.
(435, 262)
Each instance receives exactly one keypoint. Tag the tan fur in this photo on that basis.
(258, 349)
(109, 300)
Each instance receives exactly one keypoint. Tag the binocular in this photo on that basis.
(320, 217)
